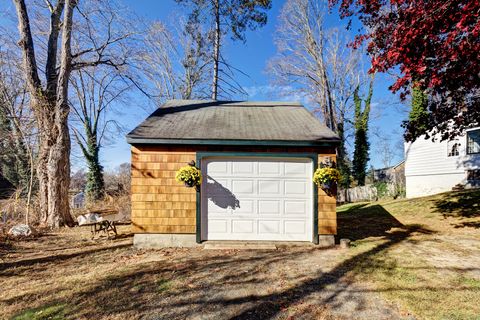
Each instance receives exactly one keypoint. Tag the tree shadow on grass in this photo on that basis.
(211, 276)
(465, 204)
(215, 283)
(362, 222)
(267, 310)
(58, 257)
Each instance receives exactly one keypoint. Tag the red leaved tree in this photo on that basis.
(436, 47)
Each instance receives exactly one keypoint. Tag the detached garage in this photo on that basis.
(256, 161)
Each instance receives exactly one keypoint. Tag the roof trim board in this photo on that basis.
(139, 141)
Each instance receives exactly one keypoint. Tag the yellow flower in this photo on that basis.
(190, 175)
(326, 175)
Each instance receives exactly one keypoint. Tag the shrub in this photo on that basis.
(382, 189)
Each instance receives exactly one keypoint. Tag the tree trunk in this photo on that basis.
(42, 174)
(216, 50)
(59, 154)
(59, 178)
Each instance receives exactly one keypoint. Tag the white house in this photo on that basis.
(434, 167)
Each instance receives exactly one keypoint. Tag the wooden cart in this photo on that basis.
(102, 220)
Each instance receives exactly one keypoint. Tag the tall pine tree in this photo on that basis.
(362, 146)
(13, 154)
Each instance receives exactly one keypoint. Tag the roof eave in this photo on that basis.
(213, 142)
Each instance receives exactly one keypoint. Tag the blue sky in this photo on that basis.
(251, 57)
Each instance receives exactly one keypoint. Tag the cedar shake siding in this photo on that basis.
(160, 204)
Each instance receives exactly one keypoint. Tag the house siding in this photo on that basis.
(162, 205)
(159, 203)
(429, 169)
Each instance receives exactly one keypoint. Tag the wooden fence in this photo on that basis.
(367, 193)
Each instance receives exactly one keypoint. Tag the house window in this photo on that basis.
(453, 147)
(473, 141)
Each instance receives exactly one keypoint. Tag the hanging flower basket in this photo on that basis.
(190, 176)
(326, 178)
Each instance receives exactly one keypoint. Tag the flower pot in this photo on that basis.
(327, 186)
(189, 184)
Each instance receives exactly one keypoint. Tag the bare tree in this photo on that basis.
(386, 147)
(97, 91)
(316, 61)
(224, 17)
(83, 43)
(51, 108)
(176, 61)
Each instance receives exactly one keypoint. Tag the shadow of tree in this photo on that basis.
(203, 282)
(266, 309)
(209, 276)
(463, 204)
(360, 222)
(221, 196)
(57, 258)
(144, 284)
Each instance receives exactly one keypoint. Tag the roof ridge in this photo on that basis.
(183, 102)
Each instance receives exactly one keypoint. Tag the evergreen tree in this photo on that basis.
(13, 154)
(95, 187)
(419, 116)
(343, 163)
(362, 146)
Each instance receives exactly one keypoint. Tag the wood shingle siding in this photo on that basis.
(327, 205)
(162, 205)
(159, 203)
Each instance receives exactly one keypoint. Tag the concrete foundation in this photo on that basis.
(158, 240)
(326, 240)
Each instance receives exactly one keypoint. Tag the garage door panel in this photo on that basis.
(257, 199)
(243, 186)
(295, 187)
(269, 168)
(298, 207)
(268, 226)
(243, 226)
(218, 204)
(243, 167)
(269, 207)
(217, 225)
(217, 186)
(295, 169)
(216, 168)
(247, 206)
(269, 187)
(294, 227)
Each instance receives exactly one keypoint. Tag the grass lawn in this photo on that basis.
(423, 253)
(409, 259)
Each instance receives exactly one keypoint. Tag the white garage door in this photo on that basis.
(257, 199)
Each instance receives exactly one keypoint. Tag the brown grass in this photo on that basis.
(409, 257)
(434, 274)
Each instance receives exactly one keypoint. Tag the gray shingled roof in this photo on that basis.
(225, 122)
